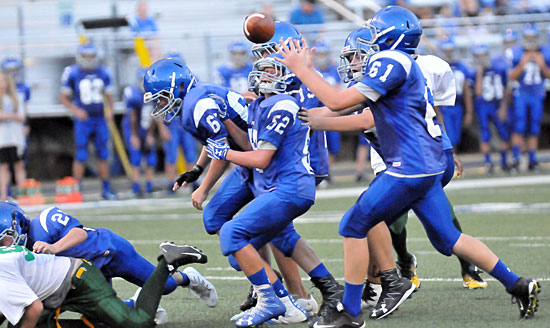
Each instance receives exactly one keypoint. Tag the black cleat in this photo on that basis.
(514, 169)
(338, 318)
(332, 293)
(525, 293)
(407, 269)
(471, 278)
(534, 167)
(395, 290)
(176, 255)
(489, 168)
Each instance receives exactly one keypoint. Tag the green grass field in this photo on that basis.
(518, 233)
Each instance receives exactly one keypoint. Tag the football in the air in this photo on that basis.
(259, 27)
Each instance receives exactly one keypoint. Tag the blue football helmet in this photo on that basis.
(11, 64)
(395, 27)
(282, 80)
(322, 54)
(510, 36)
(355, 54)
(481, 54)
(14, 223)
(87, 56)
(239, 53)
(283, 31)
(447, 47)
(166, 82)
(530, 37)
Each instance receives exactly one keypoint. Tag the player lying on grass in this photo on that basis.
(392, 84)
(37, 287)
(55, 232)
(209, 111)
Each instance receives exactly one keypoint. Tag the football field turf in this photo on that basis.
(514, 221)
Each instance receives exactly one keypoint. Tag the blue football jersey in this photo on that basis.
(462, 74)
(318, 148)
(274, 120)
(87, 87)
(531, 81)
(494, 82)
(133, 100)
(409, 136)
(199, 113)
(53, 224)
(234, 78)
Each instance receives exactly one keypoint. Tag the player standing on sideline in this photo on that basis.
(284, 184)
(531, 63)
(36, 286)
(461, 114)
(138, 129)
(395, 89)
(235, 74)
(89, 84)
(489, 90)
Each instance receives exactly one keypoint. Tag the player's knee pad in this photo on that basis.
(81, 154)
(535, 120)
(444, 239)
(485, 133)
(233, 263)
(349, 225)
(135, 156)
(170, 152)
(286, 241)
(232, 238)
(212, 219)
(152, 158)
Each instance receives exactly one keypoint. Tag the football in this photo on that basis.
(259, 27)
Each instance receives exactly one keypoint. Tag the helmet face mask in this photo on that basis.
(87, 56)
(270, 76)
(13, 223)
(167, 106)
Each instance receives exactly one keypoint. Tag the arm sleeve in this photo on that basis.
(280, 119)
(16, 296)
(67, 84)
(386, 71)
(445, 88)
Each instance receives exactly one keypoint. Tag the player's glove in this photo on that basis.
(216, 149)
(191, 175)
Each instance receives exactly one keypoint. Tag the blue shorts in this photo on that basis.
(126, 263)
(137, 154)
(180, 137)
(488, 111)
(262, 220)
(234, 193)
(528, 111)
(83, 130)
(333, 142)
(450, 169)
(389, 197)
(452, 117)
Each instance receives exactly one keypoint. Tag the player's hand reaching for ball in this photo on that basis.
(43, 247)
(296, 56)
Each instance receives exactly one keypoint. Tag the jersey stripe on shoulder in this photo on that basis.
(44, 217)
(201, 107)
(287, 105)
(397, 56)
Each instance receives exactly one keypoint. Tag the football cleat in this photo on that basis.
(533, 167)
(332, 293)
(176, 255)
(161, 317)
(250, 300)
(371, 294)
(108, 194)
(293, 314)
(525, 293)
(308, 304)
(472, 279)
(201, 287)
(395, 290)
(338, 318)
(408, 270)
(269, 306)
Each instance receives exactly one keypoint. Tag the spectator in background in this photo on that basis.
(326, 66)
(489, 90)
(12, 141)
(145, 26)
(454, 117)
(307, 13)
(530, 63)
(235, 74)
